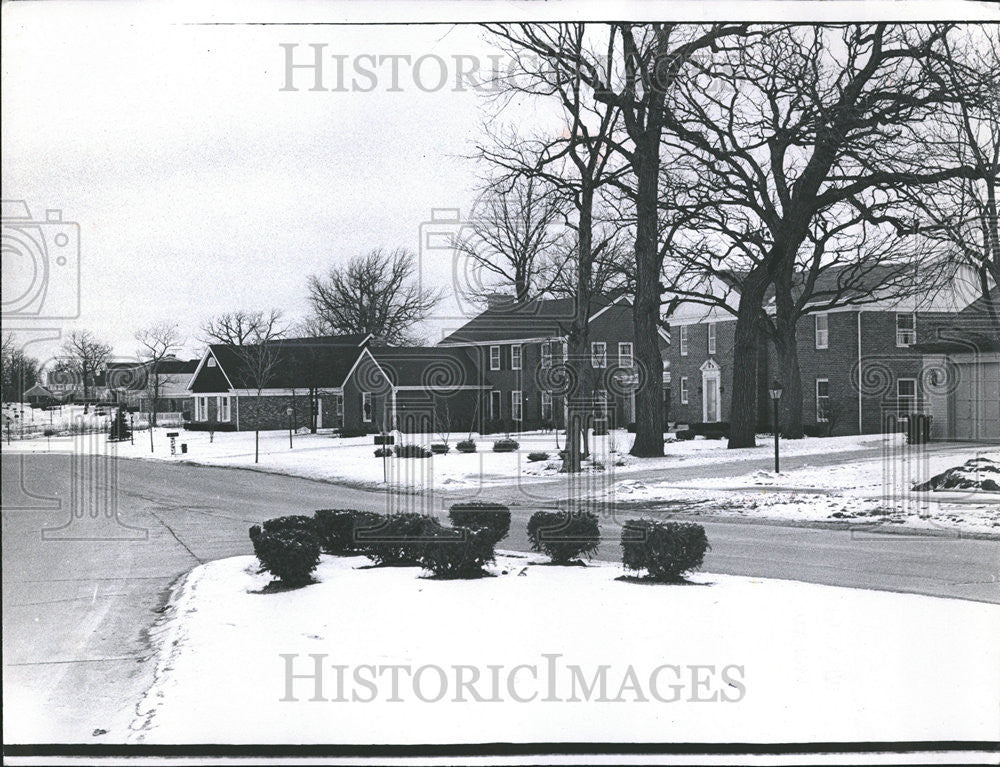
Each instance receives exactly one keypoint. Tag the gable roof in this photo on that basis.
(428, 367)
(323, 362)
(537, 318)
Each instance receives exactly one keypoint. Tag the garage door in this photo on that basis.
(977, 402)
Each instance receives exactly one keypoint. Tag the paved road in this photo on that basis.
(79, 593)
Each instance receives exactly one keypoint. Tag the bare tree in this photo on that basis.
(961, 213)
(578, 165)
(85, 356)
(156, 343)
(242, 327)
(517, 221)
(19, 371)
(377, 293)
(796, 163)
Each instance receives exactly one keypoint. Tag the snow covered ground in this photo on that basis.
(727, 659)
(28, 422)
(326, 456)
(877, 490)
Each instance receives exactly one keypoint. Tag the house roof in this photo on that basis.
(323, 361)
(428, 367)
(537, 318)
(38, 391)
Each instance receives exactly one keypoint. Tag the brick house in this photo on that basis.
(342, 381)
(858, 363)
(520, 350)
(306, 376)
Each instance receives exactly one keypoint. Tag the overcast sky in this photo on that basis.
(199, 185)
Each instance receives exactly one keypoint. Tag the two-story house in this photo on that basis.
(522, 353)
(858, 362)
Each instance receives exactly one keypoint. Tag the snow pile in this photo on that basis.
(976, 474)
(543, 653)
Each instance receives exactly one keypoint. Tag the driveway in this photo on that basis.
(80, 592)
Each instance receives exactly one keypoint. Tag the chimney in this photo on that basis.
(496, 300)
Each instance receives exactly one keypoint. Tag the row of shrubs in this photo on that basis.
(289, 547)
(439, 448)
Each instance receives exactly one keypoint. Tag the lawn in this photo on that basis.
(722, 659)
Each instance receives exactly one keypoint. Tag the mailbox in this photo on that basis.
(385, 439)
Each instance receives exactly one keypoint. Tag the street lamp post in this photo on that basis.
(289, 411)
(775, 391)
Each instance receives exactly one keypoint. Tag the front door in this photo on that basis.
(710, 385)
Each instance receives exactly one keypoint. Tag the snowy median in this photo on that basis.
(546, 653)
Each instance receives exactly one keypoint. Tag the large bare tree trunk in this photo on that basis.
(743, 408)
(646, 308)
(576, 341)
(788, 375)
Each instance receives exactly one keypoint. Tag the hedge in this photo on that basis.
(298, 522)
(538, 456)
(492, 517)
(342, 531)
(412, 451)
(399, 539)
(505, 446)
(439, 448)
(666, 550)
(563, 535)
(466, 446)
(456, 552)
(291, 554)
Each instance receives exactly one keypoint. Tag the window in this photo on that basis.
(684, 390)
(338, 405)
(546, 406)
(366, 407)
(625, 359)
(599, 354)
(515, 357)
(906, 396)
(682, 333)
(201, 408)
(822, 400)
(494, 358)
(222, 409)
(822, 331)
(601, 403)
(210, 362)
(494, 405)
(711, 338)
(546, 355)
(906, 329)
(515, 405)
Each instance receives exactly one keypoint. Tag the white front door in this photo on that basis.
(710, 398)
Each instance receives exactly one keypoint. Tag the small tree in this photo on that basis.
(85, 358)
(156, 343)
(119, 427)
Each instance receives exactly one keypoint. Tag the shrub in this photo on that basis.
(600, 427)
(816, 429)
(630, 427)
(297, 522)
(466, 446)
(538, 456)
(666, 550)
(487, 516)
(208, 426)
(439, 448)
(383, 452)
(399, 539)
(412, 451)
(684, 434)
(347, 432)
(290, 555)
(341, 531)
(456, 552)
(715, 434)
(505, 446)
(703, 428)
(564, 535)
(49, 432)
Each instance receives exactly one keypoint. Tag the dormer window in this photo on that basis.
(210, 362)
